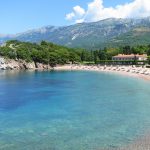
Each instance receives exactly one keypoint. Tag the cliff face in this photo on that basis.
(11, 64)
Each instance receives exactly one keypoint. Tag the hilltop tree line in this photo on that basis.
(46, 53)
(49, 53)
(107, 53)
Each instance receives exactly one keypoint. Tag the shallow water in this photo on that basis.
(71, 110)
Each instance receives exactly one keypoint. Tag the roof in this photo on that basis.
(130, 56)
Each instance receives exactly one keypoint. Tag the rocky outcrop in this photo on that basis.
(30, 65)
(23, 65)
(41, 66)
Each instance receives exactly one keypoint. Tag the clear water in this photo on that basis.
(71, 110)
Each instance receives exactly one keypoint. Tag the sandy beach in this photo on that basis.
(132, 71)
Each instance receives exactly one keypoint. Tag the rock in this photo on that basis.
(41, 66)
(30, 65)
(12, 64)
(23, 65)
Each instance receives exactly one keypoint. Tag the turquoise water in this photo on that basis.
(71, 110)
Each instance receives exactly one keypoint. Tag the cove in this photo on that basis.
(71, 110)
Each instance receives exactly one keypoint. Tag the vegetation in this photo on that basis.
(105, 55)
(52, 54)
(46, 53)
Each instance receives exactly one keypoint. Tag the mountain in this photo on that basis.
(4, 38)
(109, 32)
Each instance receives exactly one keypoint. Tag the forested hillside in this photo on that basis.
(49, 53)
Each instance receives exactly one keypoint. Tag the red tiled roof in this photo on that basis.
(129, 56)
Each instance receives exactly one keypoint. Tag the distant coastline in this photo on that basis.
(11, 64)
(141, 72)
(133, 71)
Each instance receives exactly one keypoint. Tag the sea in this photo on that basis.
(72, 110)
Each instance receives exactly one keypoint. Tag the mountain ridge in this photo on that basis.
(88, 35)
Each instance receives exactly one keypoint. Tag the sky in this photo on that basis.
(22, 15)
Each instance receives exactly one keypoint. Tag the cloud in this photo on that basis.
(79, 21)
(70, 16)
(77, 13)
(96, 11)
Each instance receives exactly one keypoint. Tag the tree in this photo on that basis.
(127, 50)
(102, 54)
(148, 50)
(74, 57)
(95, 57)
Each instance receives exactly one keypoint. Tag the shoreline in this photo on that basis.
(143, 73)
(142, 142)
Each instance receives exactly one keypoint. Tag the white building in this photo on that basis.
(122, 57)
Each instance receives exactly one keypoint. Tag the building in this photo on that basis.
(132, 57)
